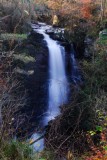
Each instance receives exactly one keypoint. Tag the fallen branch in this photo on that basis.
(5, 17)
(37, 140)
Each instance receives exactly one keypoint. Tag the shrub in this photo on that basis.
(16, 150)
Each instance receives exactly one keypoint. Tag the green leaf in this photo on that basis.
(92, 133)
(99, 128)
(105, 148)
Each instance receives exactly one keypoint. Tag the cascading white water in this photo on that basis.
(57, 79)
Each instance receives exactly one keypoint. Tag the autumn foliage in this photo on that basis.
(82, 8)
(98, 152)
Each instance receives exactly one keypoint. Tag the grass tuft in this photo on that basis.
(12, 36)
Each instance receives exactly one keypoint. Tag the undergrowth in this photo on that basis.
(80, 132)
(15, 150)
(95, 90)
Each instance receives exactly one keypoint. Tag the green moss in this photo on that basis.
(102, 38)
(24, 58)
(10, 36)
(102, 41)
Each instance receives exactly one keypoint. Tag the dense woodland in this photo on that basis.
(80, 131)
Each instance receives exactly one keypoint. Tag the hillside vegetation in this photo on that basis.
(80, 132)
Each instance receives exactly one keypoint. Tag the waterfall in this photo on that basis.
(57, 89)
(57, 76)
(58, 80)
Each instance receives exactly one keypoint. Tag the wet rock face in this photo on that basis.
(84, 49)
(88, 48)
(37, 83)
(35, 75)
(56, 34)
(79, 48)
